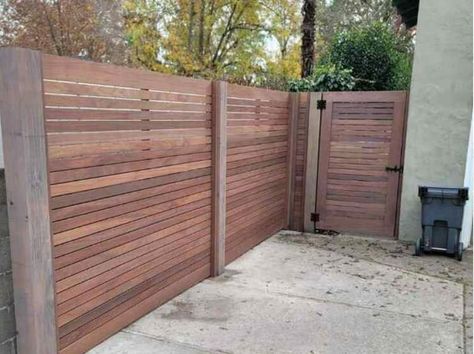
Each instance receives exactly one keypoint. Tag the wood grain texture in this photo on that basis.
(312, 155)
(131, 181)
(219, 167)
(292, 139)
(258, 190)
(361, 134)
(130, 155)
(301, 142)
(26, 172)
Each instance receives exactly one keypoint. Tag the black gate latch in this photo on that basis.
(394, 169)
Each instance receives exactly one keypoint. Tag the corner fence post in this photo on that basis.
(292, 138)
(26, 174)
(219, 161)
(311, 167)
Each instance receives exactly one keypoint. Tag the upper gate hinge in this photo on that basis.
(315, 217)
(321, 104)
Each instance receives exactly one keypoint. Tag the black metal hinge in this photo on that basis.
(321, 104)
(315, 217)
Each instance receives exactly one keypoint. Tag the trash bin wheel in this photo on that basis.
(459, 251)
(418, 250)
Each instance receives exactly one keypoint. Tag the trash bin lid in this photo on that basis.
(443, 193)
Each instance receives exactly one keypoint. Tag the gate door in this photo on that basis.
(359, 162)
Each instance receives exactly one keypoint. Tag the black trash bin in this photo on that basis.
(441, 220)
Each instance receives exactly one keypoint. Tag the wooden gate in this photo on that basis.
(360, 155)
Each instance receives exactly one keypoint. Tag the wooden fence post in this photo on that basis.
(311, 168)
(219, 161)
(26, 174)
(292, 138)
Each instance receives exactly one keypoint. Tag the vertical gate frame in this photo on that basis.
(311, 163)
(219, 166)
(26, 173)
(292, 142)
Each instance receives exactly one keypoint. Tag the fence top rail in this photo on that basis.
(87, 72)
(94, 73)
(248, 92)
(369, 96)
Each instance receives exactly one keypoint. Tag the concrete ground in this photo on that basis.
(303, 293)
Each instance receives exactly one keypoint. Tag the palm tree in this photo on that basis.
(308, 37)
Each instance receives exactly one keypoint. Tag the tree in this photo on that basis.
(378, 58)
(282, 21)
(308, 37)
(141, 32)
(212, 38)
(343, 15)
(88, 29)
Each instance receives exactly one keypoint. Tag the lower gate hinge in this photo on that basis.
(315, 217)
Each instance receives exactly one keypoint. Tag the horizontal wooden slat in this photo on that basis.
(94, 148)
(119, 104)
(125, 315)
(114, 115)
(93, 183)
(68, 69)
(91, 160)
(171, 247)
(98, 171)
(72, 88)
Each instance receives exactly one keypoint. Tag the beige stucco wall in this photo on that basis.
(440, 105)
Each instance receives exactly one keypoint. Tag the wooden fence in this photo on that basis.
(135, 185)
(126, 187)
(257, 159)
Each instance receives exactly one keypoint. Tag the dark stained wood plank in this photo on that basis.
(292, 138)
(312, 155)
(68, 69)
(144, 304)
(26, 172)
(219, 166)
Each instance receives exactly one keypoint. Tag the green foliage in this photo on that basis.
(325, 78)
(378, 58)
(330, 78)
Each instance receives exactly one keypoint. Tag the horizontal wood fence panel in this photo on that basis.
(84, 72)
(151, 183)
(129, 158)
(257, 168)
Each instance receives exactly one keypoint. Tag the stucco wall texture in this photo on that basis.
(440, 107)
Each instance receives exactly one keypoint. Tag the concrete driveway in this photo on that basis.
(299, 293)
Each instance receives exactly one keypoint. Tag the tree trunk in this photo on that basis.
(192, 13)
(308, 36)
(202, 14)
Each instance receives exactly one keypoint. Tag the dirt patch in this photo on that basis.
(400, 255)
(186, 311)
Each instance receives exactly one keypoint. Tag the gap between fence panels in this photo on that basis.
(138, 185)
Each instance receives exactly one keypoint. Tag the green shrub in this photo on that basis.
(325, 78)
(378, 58)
